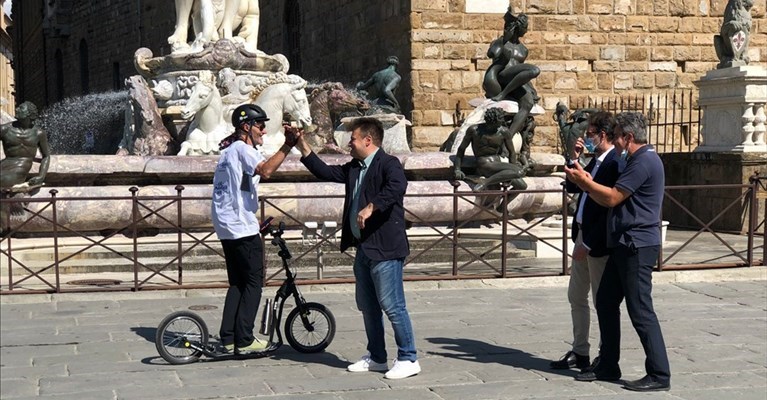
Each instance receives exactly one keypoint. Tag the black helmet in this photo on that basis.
(248, 113)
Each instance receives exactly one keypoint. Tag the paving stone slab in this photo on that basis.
(45, 360)
(347, 380)
(719, 394)
(33, 373)
(97, 394)
(519, 390)
(400, 394)
(74, 384)
(17, 387)
(211, 390)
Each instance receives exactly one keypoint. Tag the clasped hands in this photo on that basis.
(292, 134)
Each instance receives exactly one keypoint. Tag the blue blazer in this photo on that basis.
(594, 223)
(384, 185)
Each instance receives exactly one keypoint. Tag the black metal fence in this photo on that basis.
(466, 252)
(674, 117)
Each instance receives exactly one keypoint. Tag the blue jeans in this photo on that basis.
(379, 290)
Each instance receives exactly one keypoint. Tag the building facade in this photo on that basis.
(7, 101)
(584, 48)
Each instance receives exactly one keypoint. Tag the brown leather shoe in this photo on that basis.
(571, 360)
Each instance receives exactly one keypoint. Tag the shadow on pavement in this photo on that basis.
(331, 360)
(146, 333)
(486, 353)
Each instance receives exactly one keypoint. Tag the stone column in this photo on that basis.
(759, 127)
(732, 101)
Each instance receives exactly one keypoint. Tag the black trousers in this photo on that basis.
(628, 275)
(245, 270)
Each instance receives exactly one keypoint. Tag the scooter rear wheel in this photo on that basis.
(178, 335)
(319, 334)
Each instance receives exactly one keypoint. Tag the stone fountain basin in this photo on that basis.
(84, 209)
(82, 182)
(104, 170)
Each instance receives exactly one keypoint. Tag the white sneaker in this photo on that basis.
(403, 369)
(366, 364)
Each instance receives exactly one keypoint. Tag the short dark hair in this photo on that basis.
(604, 121)
(369, 126)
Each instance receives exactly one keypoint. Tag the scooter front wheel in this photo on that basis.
(314, 335)
(180, 336)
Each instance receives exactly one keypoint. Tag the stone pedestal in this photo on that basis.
(732, 101)
(699, 168)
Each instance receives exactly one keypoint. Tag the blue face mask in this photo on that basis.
(589, 144)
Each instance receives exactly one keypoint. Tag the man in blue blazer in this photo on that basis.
(374, 223)
(590, 234)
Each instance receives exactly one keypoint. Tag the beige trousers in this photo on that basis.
(584, 277)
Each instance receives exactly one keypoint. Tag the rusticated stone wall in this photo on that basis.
(583, 47)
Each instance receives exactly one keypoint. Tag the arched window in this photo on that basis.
(58, 60)
(84, 72)
(292, 35)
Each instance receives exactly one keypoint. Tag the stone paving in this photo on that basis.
(488, 339)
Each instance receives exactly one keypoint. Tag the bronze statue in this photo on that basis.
(571, 127)
(21, 139)
(527, 139)
(383, 83)
(508, 77)
(488, 141)
(732, 42)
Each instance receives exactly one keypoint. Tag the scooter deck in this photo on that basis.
(220, 356)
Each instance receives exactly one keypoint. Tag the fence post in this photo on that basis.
(456, 185)
(753, 206)
(504, 227)
(53, 193)
(564, 229)
(8, 238)
(660, 228)
(262, 202)
(134, 234)
(179, 223)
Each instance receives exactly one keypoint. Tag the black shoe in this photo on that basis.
(592, 366)
(647, 384)
(571, 360)
(599, 374)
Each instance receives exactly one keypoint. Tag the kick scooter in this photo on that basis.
(182, 337)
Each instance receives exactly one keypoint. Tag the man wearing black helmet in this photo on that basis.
(235, 202)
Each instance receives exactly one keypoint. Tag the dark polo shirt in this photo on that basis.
(637, 219)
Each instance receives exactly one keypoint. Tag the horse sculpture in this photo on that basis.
(279, 95)
(205, 108)
(329, 102)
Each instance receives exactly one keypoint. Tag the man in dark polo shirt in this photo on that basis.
(634, 239)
